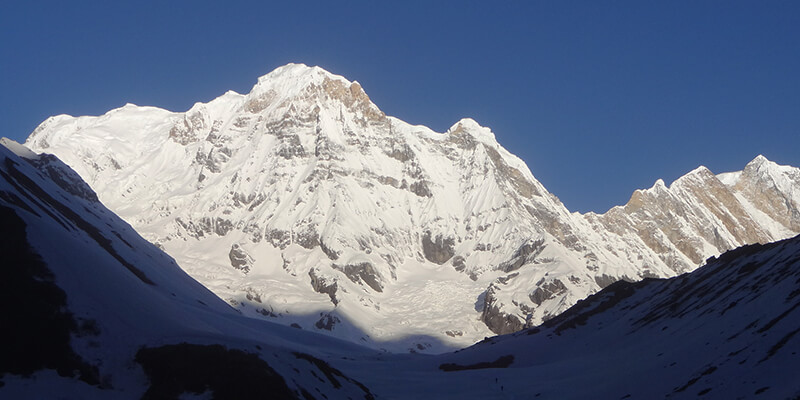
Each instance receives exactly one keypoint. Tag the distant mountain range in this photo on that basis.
(301, 202)
(91, 310)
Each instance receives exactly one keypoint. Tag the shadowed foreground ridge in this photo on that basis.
(727, 330)
(36, 324)
(737, 277)
(227, 373)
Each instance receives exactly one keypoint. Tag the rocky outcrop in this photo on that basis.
(525, 254)
(514, 177)
(278, 238)
(331, 253)
(327, 321)
(362, 273)
(498, 320)
(459, 263)
(696, 212)
(438, 249)
(768, 187)
(205, 226)
(604, 280)
(546, 291)
(240, 259)
(307, 238)
(323, 284)
(189, 129)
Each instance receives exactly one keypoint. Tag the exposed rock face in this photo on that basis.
(324, 285)
(240, 259)
(316, 182)
(524, 255)
(604, 280)
(438, 249)
(547, 291)
(459, 263)
(205, 227)
(189, 129)
(771, 189)
(499, 321)
(677, 223)
(327, 322)
(362, 273)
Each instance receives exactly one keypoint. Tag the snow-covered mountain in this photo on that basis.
(303, 203)
(93, 311)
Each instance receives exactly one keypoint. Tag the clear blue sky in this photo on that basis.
(599, 98)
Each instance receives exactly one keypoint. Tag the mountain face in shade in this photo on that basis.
(303, 203)
(100, 313)
(92, 310)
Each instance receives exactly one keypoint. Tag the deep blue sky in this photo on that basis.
(598, 99)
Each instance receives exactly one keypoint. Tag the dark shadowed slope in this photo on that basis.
(91, 310)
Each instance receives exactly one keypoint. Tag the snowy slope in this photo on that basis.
(729, 330)
(84, 298)
(303, 203)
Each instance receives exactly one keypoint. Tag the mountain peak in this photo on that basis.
(471, 127)
(293, 83)
(759, 162)
(294, 78)
(700, 174)
(295, 70)
(761, 165)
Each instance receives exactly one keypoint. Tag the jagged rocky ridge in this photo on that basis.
(302, 202)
